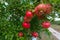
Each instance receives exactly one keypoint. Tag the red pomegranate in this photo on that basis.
(29, 14)
(26, 19)
(46, 24)
(40, 9)
(26, 25)
(48, 8)
(20, 34)
(35, 34)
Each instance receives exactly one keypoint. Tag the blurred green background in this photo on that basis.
(12, 10)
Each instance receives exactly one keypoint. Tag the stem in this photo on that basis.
(42, 1)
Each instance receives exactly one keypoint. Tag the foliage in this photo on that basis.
(11, 18)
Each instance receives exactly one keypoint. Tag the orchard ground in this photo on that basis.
(45, 37)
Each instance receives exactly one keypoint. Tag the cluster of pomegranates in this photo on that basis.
(39, 11)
